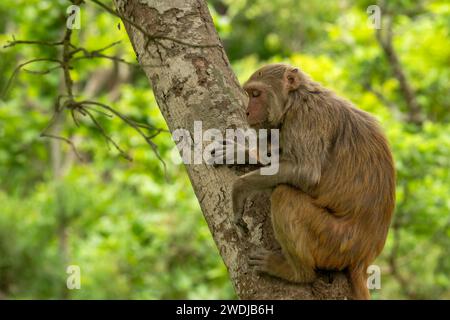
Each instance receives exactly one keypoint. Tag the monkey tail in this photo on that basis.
(358, 280)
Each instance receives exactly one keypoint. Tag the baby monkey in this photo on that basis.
(334, 193)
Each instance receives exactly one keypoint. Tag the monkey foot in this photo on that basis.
(261, 259)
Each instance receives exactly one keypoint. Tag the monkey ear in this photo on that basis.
(292, 79)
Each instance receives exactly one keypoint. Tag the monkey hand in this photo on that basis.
(224, 153)
(262, 259)
(230, 152)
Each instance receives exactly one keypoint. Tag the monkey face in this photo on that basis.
(268, 89)
(257, 109)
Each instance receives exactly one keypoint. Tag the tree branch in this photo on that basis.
(195, 83)
(68, 52)
(385, 41)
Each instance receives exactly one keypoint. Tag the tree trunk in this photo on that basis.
(179, 50)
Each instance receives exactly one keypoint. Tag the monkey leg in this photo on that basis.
(296, 262)
(297, 223)
(277, 265)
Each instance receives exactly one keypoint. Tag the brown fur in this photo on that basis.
(333, 207)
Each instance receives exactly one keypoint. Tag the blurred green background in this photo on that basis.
(135, 234)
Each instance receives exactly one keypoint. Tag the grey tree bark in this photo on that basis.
(179, 50)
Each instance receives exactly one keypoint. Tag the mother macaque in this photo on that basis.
(334, 193)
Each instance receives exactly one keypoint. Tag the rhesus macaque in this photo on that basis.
(334, 193)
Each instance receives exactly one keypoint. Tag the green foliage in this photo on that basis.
(137, 234)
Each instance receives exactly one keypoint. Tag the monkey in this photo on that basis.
(333, 196)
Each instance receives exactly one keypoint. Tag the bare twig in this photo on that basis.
(107, 137)
(129, 122)
(152, 37)
(97, 55)
(66, 58)
(41, 43)
(92, 52)
(68, 141)
(93, 55)
(98, 111)
(20, 66)
(86, 108)
(41, 72)
(115, 43)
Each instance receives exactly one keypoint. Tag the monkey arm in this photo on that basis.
(288, 173)
(230, 155)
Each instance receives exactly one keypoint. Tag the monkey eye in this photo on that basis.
(256, 93)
